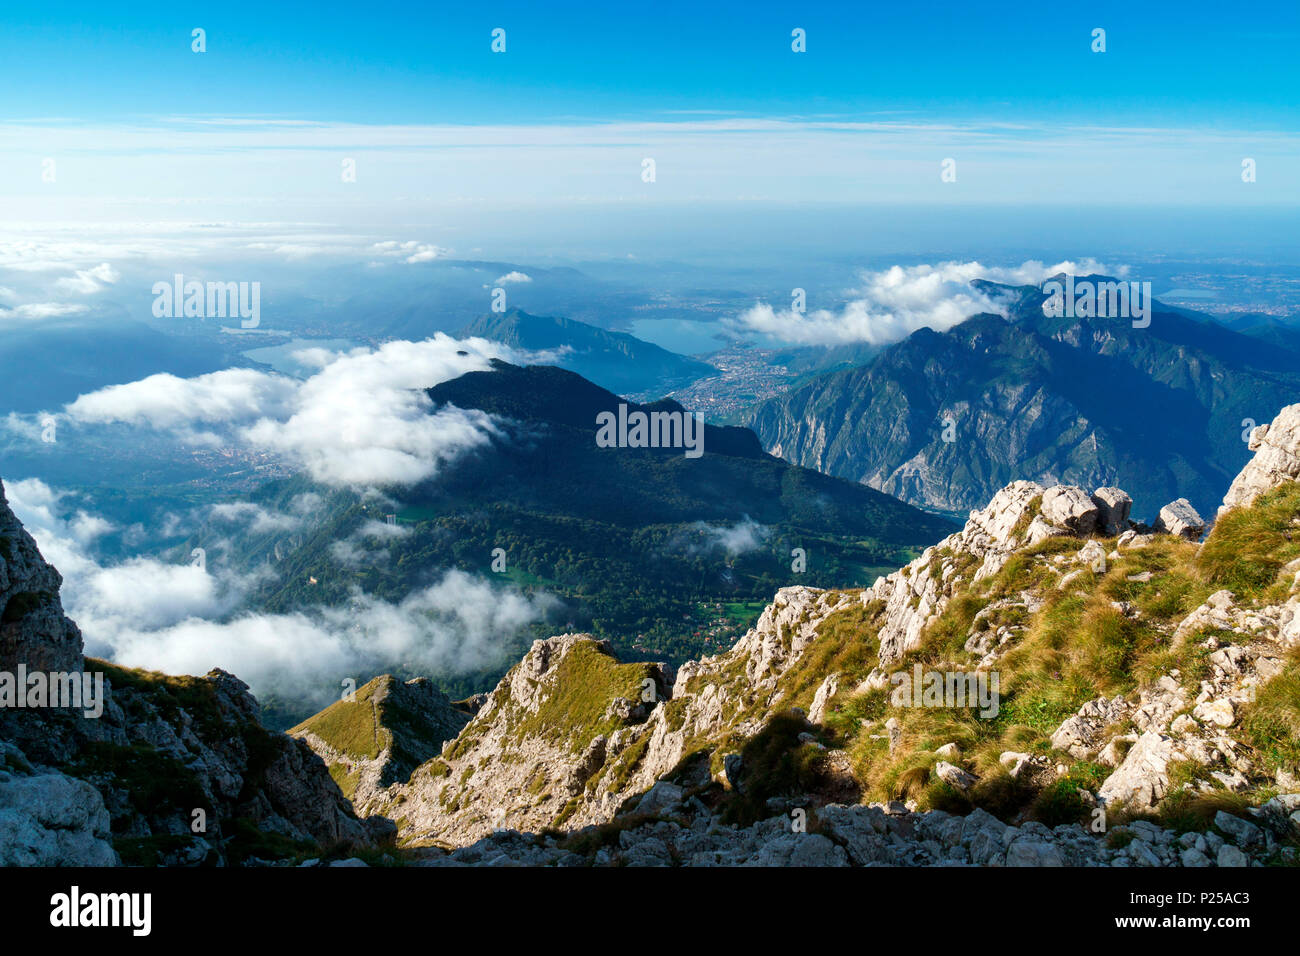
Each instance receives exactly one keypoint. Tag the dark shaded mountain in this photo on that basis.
(1160, 410)
(615, 360)
(656, 551)
(553, 447)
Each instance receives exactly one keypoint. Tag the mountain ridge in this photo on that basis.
(618, 361)
(946, 419)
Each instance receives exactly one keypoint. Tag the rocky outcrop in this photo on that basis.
(1178, 727)
(33, 630)
(1276, 461)
(524, 763)
(50, 819)
(534, 753)
(1020, 515)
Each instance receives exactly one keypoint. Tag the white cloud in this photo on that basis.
(513, 276)
(893, 303)
(363, 419)
(89, 281)
(258, 519)
(410, 252)
(168, 401)
(353, 552)
(735, 539)
(460, 624)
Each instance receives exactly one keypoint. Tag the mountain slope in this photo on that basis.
(946, 419)
(1147, 712)
(380, 735)
(617, 361)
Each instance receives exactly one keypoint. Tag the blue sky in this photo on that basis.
(259, 124)
(1182, 64)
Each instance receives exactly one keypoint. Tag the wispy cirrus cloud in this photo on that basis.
(879, 158)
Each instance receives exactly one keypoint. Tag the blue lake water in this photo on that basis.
(679, 335)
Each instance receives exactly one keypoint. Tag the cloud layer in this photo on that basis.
(185, 619)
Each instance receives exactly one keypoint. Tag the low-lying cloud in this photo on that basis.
(186, 619)
(89, 281)
(732, 539)
(460, 624)
(893, 303)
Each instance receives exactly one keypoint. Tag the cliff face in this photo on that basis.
(174, 770)
(1146, 710)
(33, 629)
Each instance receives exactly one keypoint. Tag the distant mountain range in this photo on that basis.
(1283, 332)
(945, 419)
(617, 361)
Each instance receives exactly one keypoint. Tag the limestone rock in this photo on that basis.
(1093, 556)
(954, 776)
(1277, 459)
(50, 819)
(1072, 508)
(825, 691)
(1081, 735)
(1180, 518)
(1113, 507)
(1241, 832)
(1142, 780)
